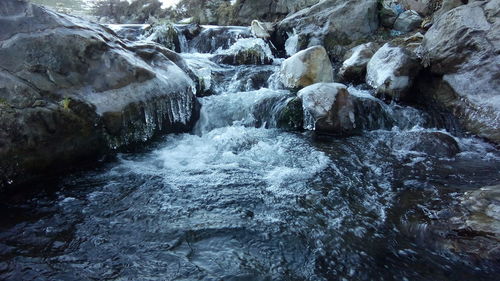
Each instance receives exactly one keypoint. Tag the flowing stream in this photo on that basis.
(239, 199)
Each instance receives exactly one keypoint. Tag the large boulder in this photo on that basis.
(328, 108)
(392, 70)
(306, 68)
(353, 68)
(334, 24)
(70, 90)
(462, 50)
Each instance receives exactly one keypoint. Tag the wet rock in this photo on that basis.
(354, 66)
(434, 144)
(328, 108)
(246, 51)
(265, 10)
(483, 207)
(71, 91)
(292, 115)
(189, 31)
(165, 34)
(466, 79)
(334, 24)
(370, 113)
(391, 71)
(130, 32)
(306, 68)
(408, 21)
(211, 39)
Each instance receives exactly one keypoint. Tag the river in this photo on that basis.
(238, 199)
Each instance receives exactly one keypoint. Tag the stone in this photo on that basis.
(389, 12)
(392, 70)
(435, 144)
(422, 7)
(306, 68)
(408, 21)
(466, 79)
(246, 51)
(353, 68)
(70, 90)
(335, 24)
(328, 108)
(165, 34)
(259, 29)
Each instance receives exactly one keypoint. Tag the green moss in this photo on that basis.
(65, 103)
(291, 117)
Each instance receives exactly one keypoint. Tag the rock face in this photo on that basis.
(70, 90)
(462, 51)
(354, 66)
(328, 108)
(306, 68)
(331, 23)
(391, 71)
(408, 21)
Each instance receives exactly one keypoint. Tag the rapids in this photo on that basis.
(239, 199)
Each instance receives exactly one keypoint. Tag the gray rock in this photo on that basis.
(334, 24)
(353, 68)
(408, 21)
(463, 47)
(389, 12)
(69, 90)
(328, 108)
(423, 7)
(306, 68)
(392, 70)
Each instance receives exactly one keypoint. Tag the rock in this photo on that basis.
(334, 24)
(483, 208)
(265, 10)
(389, 12)
(71, 91)
(328, 108)
(434, 144)
(165, 34)
(211, 39)
(447, 6)
(130, 32)
(259, 29)
(370, 113)
(408, 21)
(354, 66)
(423, 7)
(391, 71)
(246, 51)
(462, 51)
(291, 116)
(306, 68)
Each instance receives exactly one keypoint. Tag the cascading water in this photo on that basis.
(240, 199)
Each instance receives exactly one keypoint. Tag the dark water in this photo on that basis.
(243, 203)
(235, 202)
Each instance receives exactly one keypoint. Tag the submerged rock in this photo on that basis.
(328, 108)
(354, 66)
(69, 90)
(392, 70)
(434, 144)
(462, 51)
(306, 68)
